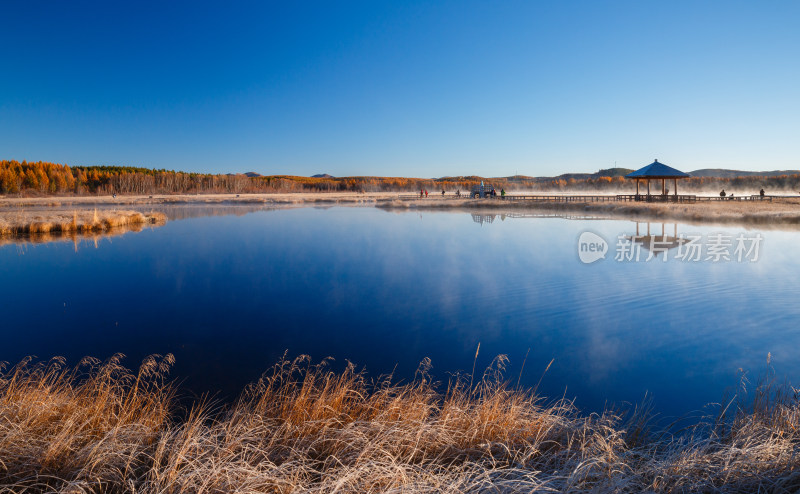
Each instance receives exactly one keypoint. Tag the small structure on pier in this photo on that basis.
(656, 171)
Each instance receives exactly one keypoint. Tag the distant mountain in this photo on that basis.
(613, 172)
(608, 172)
(519, 178)
(724, 173)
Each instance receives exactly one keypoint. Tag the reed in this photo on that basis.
(302, 427)
(63, 222)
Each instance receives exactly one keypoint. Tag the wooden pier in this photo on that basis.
(605, 198)
(754, 197)
(558, 198)
(554, 198)
(411, 197)
(682, 198)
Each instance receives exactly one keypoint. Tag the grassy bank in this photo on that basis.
(66, 222)
(780, 212)
(138, 201)
(302, 428)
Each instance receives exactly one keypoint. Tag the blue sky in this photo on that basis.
(402, 88)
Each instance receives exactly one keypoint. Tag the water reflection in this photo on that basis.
(77, 238)
(188, 211)
(228, 295)
(482, 218)
(653, 242)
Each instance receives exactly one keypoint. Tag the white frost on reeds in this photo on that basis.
(304, 428)
(66, 222)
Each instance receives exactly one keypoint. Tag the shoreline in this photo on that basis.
(161, 199)
(774, 214)
(783, 211)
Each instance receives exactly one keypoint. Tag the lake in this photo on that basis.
(228, 290)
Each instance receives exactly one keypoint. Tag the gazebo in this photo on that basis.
(655, 171)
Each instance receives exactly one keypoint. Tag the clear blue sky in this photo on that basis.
(402, 88)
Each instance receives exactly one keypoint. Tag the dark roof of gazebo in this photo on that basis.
(657, 170)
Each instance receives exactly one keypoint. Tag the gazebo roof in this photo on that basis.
(657, 170)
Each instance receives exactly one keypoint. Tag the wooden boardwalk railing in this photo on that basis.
(754, 197)
(411, 197)
(657, 198)
(682, 198)
(554, 198)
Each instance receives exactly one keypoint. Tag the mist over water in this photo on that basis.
(229, 294)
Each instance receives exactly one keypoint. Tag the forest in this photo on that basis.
(43, 179)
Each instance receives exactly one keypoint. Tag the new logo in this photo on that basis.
(591, 247)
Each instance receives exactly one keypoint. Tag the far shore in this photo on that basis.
(277, 199)
(782, 211)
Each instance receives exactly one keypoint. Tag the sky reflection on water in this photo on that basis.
(229, 294)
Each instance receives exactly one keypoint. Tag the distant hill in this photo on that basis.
(613, 172)
(608, 172)
(322, 175)
(724, 173)
(41, 178)
(705, 172)
(519, 178)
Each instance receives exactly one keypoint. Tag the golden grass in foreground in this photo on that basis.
(303, 428)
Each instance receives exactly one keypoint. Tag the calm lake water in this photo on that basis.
(229, 294)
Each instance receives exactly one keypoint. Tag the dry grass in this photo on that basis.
(782, 213)
(86, 427)
(69, 222)
(304, 428)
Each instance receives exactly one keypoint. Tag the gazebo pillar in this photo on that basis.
(676, 186)
(648, 186)
(637, 186)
